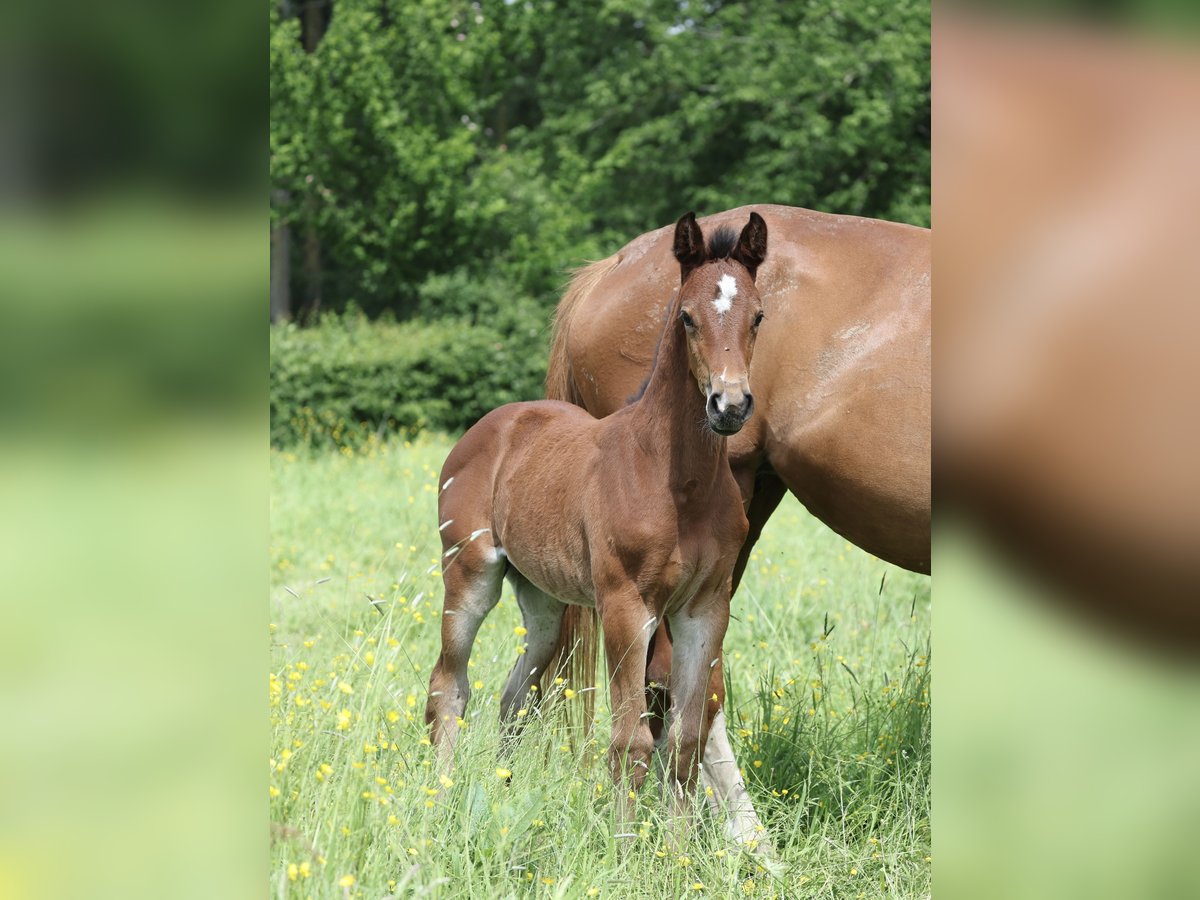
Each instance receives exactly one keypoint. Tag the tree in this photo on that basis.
(454, 158)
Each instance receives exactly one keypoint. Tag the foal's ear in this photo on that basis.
(689, 245)
(751, 247)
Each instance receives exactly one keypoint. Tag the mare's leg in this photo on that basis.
(723, 778)
(698, 633)
(472, 579)
(627, 626)
(768, 492)
(658, 697)
(542, 617)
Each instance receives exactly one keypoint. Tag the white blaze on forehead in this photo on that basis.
(728, 288)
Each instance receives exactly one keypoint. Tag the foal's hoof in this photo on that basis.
(763, 853)
(772, 864)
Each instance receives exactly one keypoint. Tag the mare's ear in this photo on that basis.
(689, 245)
(751, 247)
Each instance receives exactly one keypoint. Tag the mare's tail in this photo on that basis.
(575, 656)
(559, 383)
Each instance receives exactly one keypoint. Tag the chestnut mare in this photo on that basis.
(635, 515)
(841, 388)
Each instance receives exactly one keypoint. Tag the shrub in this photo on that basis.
(348, 380)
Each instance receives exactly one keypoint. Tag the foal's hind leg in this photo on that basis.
(542, 617)
(472, 579)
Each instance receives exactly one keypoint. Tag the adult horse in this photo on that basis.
(841, 384)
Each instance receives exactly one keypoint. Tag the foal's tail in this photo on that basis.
(575, 656)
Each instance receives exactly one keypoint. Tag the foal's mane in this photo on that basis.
(721, 242)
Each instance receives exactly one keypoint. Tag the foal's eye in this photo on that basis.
(758, 317)
(687, 320)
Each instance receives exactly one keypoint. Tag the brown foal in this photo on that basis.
(636, 515)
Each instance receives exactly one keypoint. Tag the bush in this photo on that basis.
(348, 381)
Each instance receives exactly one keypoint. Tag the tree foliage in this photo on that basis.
(456, 158)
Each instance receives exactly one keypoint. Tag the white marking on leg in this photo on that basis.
(720, 772)
(728, 290)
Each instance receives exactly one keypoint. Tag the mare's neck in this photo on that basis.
(670, 419)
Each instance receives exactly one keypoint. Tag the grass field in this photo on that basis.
(828, 671)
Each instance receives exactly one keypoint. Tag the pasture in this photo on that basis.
(828, 669)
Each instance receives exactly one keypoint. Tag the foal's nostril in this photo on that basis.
(712, 405)
(747, 405)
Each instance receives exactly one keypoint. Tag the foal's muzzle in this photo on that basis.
(727, 413)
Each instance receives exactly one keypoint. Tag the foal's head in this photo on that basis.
(721, 312)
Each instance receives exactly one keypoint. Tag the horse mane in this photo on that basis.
(721, 242)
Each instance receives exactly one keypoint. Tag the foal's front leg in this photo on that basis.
(698, 632)
(627, 625)
(727, 789)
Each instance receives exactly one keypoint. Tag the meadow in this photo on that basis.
(828, 672)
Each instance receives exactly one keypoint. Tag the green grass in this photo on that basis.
(828, 675)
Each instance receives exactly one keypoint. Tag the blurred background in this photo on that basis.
(133, 430)
(1067, 429)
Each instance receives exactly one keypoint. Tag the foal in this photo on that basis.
(636, 514)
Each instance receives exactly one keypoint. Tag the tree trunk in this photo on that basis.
(314, 23)
(312, 262)
(281, 263)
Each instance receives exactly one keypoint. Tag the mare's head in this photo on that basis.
(721, 312)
